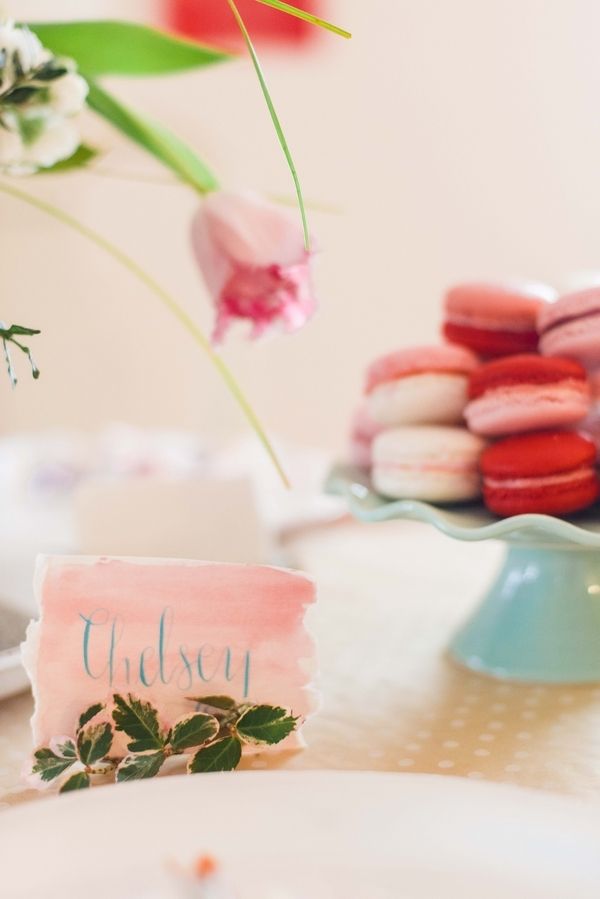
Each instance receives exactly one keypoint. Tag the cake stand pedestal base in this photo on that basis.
(540, 620)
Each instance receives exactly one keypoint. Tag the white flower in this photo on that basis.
(57, 140)
(20, 53)
(68, 93)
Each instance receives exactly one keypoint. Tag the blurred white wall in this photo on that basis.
(459, 139)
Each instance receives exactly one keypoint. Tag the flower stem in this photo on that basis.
(305, 16)
(274, 118)
(172, 305)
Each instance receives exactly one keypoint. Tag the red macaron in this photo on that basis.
(548, 472)
(495, 319)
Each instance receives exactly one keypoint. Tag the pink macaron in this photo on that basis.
(571, 327)
(420, 385)
(526, 393)
(495, 319)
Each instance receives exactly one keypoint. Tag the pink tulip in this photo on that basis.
(254, 262)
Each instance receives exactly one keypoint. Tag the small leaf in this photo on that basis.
(154, 138)
(108, 47)
(94, 742)
(49, 765)
(19, 330)
(265, 724)
(79, 781)
(223, 755)
(82, 157)
(139, 720)
(90, 713)
(223, 703)
(139, 767)
(193, 730)
(64, 747)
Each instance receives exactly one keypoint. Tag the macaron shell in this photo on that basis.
(491, 342)
(556, 500)
(538, 455)
(433, 398)
(428, 486)
(577, 304)
(528, 408)
(517, 302)
(579, 339)
(444, 358)
(524, 369)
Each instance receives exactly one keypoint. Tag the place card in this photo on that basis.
(166, 630)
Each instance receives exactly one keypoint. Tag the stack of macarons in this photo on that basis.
(496, 409)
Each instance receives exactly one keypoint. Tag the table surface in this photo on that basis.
(390, 597)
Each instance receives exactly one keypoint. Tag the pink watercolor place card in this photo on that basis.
(165, 630)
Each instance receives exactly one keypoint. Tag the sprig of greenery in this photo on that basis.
(9, 335)
(215, 734)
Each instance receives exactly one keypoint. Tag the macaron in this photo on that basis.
(526, 393)
(551, 472)
(362, 433)
(571, 327)
(429, 462)
(495, 319)
(420, 385)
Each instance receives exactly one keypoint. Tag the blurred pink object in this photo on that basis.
(590, 425)
(363, 432)
(254, 262)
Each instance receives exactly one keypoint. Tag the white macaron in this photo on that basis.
(435, 463)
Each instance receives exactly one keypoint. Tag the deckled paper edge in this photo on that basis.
(30, 645)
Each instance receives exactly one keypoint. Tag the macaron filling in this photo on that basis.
(554, 480)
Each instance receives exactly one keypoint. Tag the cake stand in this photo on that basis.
(540, 620)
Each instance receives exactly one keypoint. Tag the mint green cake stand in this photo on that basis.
(540, 620)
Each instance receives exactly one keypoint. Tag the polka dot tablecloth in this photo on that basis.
(390, 596)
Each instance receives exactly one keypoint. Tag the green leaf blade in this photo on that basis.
(274, 118)
(110, 47)
(193, 730)
(154, 138)
(94, 742)
(140, 767)
(49, 765)
(90, 713)
(265, 725)
(305, 16)
(79, 781)
(139, 721)
(224, 755)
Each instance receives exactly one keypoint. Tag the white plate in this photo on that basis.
(316, 835)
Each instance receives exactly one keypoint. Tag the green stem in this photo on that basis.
(305, 16)
(172, 305)
(274, 118)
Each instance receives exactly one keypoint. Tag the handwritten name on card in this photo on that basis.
(165, 630)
